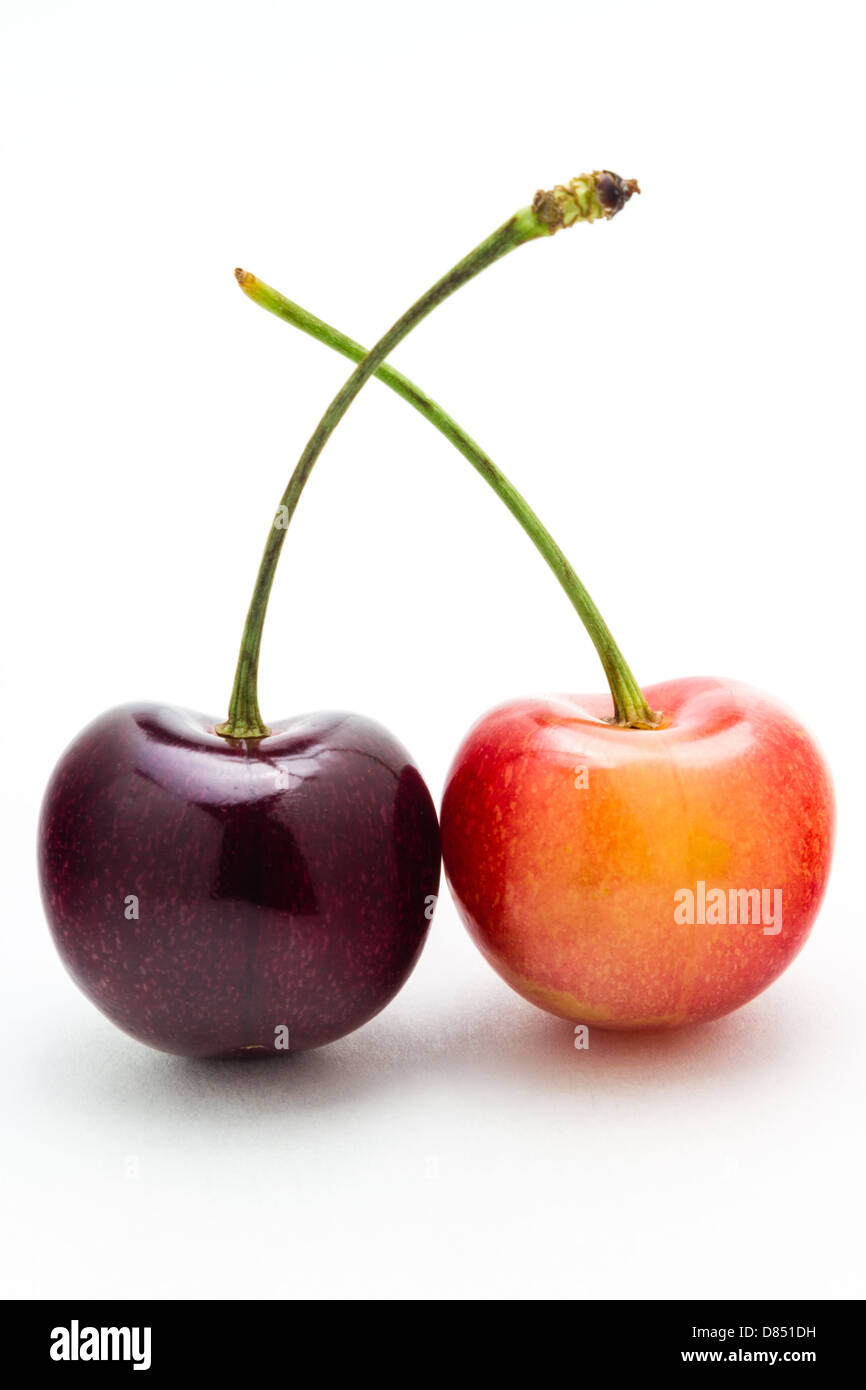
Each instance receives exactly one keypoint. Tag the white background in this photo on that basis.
(679, 393)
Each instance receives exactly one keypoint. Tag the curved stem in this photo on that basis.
(587, 198)
(631, 708)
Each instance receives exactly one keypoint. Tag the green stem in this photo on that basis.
(628, 701)
(587, 198)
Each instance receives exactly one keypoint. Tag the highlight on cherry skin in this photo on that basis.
(639, 878)
(219, 898)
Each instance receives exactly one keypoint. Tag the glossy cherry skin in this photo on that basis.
(568, 843)
(219, 898)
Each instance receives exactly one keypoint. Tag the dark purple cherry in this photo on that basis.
(233, 888)
(223, 897)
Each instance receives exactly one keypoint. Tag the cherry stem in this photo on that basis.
(631, 708)
(587, 198)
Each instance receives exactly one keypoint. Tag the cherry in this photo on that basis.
(238, 888)
(216, 897)
(577, 830)
(635, 879)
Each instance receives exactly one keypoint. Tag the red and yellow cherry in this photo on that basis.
(653, 868)
(639, 877)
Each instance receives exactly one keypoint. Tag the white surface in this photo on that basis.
(678, 393)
